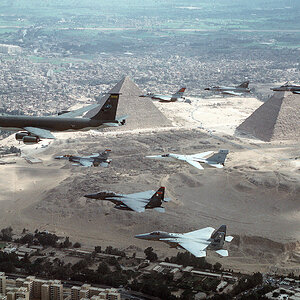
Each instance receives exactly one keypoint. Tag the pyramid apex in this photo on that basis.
(126, 87)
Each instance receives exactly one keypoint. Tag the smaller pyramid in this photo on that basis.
(141, 112)
(277, 119)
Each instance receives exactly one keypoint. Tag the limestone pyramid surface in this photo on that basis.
(142, 113)
(277, 119)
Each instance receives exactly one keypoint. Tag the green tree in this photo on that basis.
(77, 245)
(6, 234)
(103, 268)
(66, 243)
(98, 249)
(150, 254)
(217, 266)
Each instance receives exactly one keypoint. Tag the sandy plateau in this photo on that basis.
(257, 194)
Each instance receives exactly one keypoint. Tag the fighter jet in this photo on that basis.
(136, 202)
(195, 242)
(295, 89)
(178, 96)
(95, 159)
(35, 128)
(216, 160)
(231, 90)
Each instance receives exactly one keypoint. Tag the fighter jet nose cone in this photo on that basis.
(91, 196)
(140, 236)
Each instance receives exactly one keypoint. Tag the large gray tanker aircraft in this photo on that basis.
(35, 128)
(137, 202)
(196, 242)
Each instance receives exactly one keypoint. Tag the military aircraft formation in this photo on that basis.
(238, 90)
(34, 129)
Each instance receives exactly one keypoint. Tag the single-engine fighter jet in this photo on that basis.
(295, 89)
(137, 202)
(231, 90)
(35, 128)
(196, 242)
(95, 159)
(178, 96)
(216, 160)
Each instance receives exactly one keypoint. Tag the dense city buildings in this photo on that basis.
(33, 288)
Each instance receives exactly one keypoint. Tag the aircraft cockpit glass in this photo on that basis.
(155, 233)
(165, 155)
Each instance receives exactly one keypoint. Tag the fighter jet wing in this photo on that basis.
(202, 155)
(85, 162)
(138, 206)
(78, 112)
(222, 252)
(141, 195)
(204, 233)
(218, 166)
(42, 133)
(195, 164)
(232, 93)
(194, 247)
(162, 98)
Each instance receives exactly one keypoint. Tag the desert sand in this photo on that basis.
(256, 195)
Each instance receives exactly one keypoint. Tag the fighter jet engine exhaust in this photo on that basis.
(20, 135)
(30, 139)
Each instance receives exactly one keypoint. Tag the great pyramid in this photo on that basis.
(142, 113)
(277, 119)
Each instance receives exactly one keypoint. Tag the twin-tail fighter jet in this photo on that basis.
(295, 89)
(135, 202)
(216, 160)
(231, 90)
(178, 96)
(95, 159)
(35, 128)
(195, 242)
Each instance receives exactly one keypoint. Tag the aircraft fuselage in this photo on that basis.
(50, 123)
(229, 89)
(287, 88)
